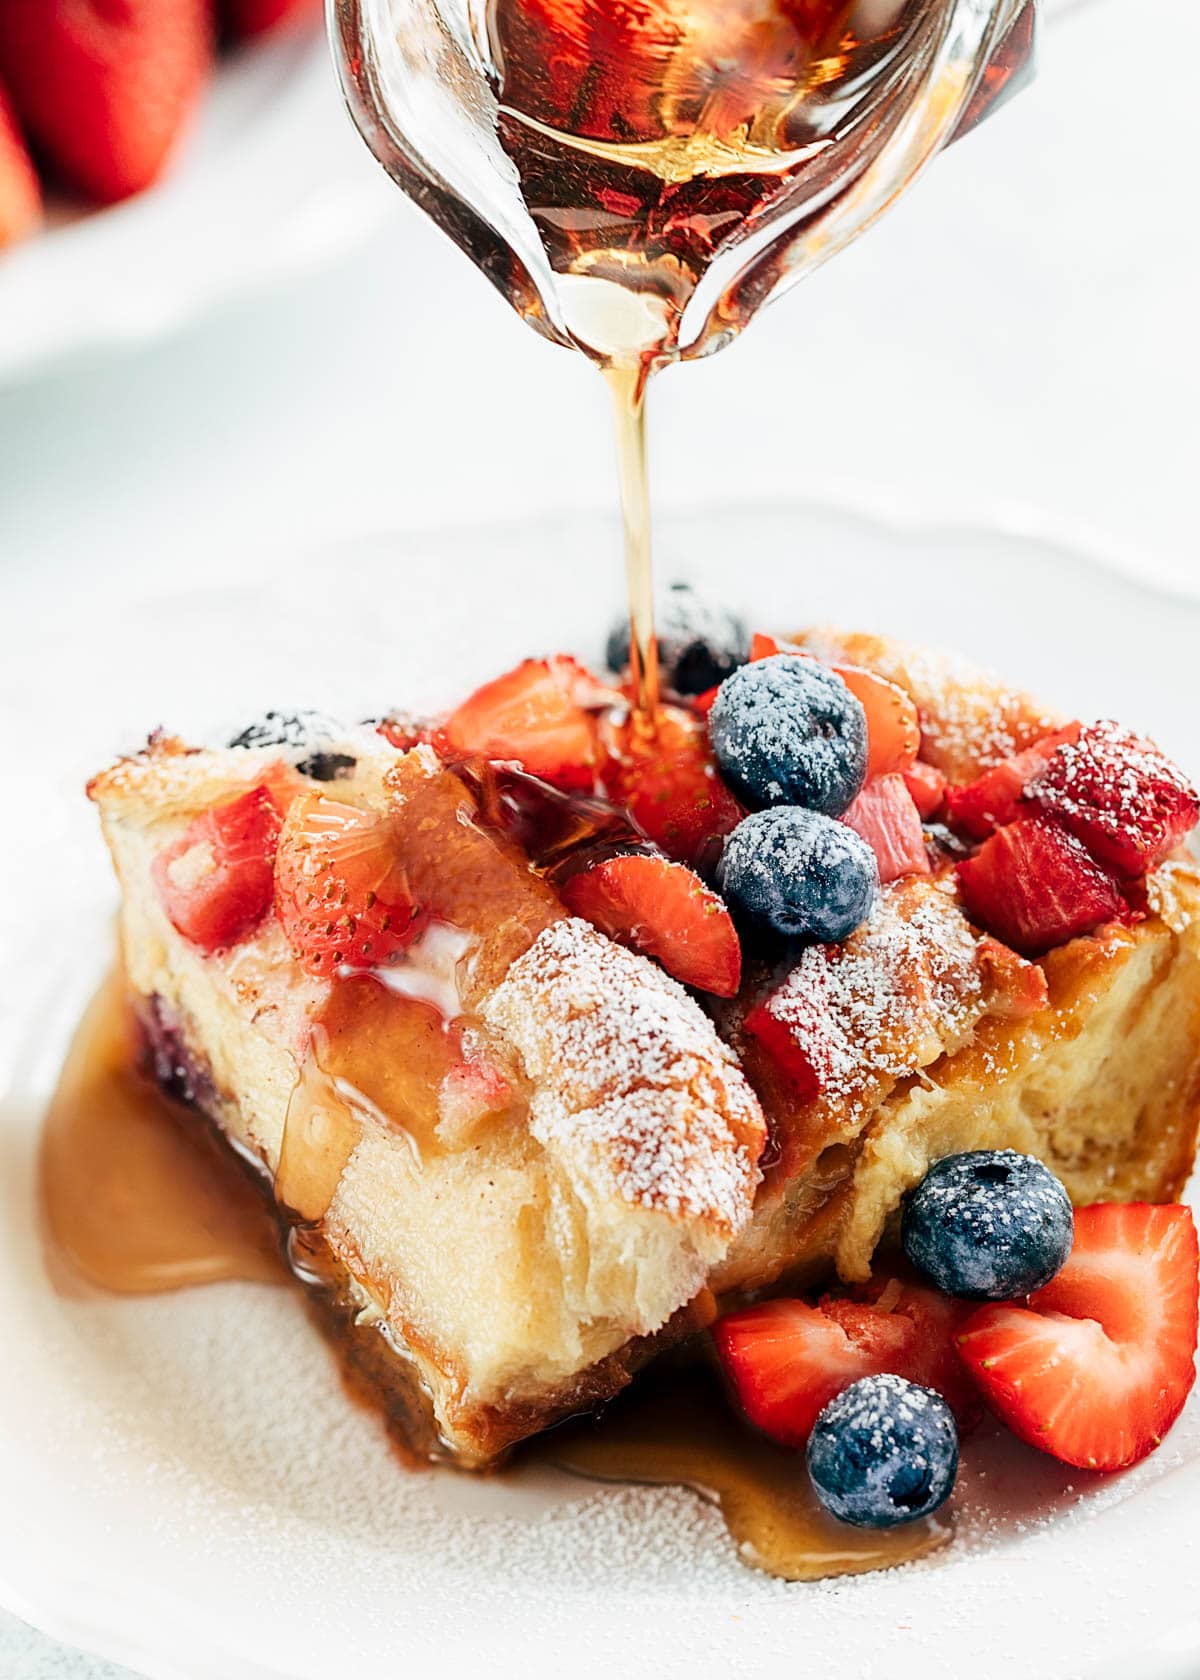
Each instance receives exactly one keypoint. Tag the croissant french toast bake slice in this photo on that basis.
(516, 1156)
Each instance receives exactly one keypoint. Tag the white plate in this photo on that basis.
(186, 1489)
(272, 182)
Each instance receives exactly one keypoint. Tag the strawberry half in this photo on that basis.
(997, 796)
(104, 90)
(218, 879)
(20, 195)
(537, 716)
(1035, 886)
(886, 817)
(1115, 791)
(893, 730)
(669, 783)
(341, 889)
(786, 1360)
(664, 910)
(1097, 1367)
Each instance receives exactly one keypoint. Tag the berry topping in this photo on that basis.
(341, 889)
(884, 1452)
(998, 796)
(798, 874)
(662, 909)
(670, 785)
(786, 1359)
(699, 642)
(1115, 791)
(928, 788)
(1096, 1368)
(893, 732)
(536, 716)
(306, 740)
(988, 1225)
(217, 880)
(1035, 886)
(886, 818)
(786, 731)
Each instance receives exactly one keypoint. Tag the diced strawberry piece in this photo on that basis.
(20, 195)
(105, 90)
(1115, 791)
(1035, 886)
(791, 1047)
(536, 716)
(786, 1360)
(1096, 1368)
(669, 783)
(997, 796)
(664, 910)
(246, 18)
(1016, 988)
(218, 879)
(893, 731)
(341, 889)
(928, 788)
(887, 819)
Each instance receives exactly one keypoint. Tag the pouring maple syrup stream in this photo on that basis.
(627, 385)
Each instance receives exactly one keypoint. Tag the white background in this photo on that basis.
(1019, 339)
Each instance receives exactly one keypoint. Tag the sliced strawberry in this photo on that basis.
(247, 18)
(1035, 886)
(105, 90)
(218, 879)
(998, 795)
(893, 731)
(536, 716)
(669, 783)
(341, 889)
(20, 195)
(703, 703)
(928, 788)
(786, 1360)
(1115, 791)
(763, 646)
(1097, 1367)
(886, 817)
(663, 909)
(931, 1351)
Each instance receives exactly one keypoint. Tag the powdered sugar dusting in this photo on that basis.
(902, 989)
(633, 1089)
(1117, 787)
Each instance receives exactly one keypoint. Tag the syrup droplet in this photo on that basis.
(138, 1194)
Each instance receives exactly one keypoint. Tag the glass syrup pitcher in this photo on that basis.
(638, 177)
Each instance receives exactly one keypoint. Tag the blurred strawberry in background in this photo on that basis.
(101, 91)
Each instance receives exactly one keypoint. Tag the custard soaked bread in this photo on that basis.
(515, 1154)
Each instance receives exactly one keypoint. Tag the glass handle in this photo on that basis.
(1008, 70)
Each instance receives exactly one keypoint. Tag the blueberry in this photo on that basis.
(304, 733)
(799, 875)
(883, 1452)
(787, 731)
(988, 1225)
(699, 642)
